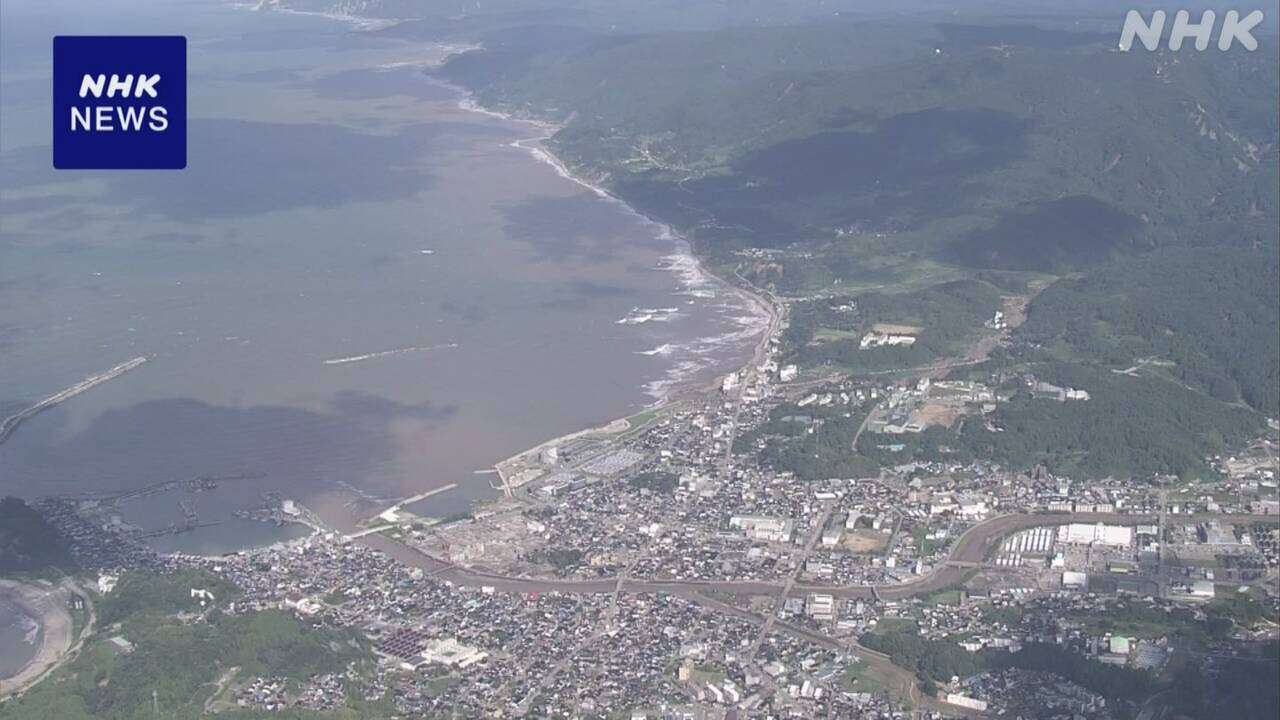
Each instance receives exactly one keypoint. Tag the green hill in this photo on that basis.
(883, 160)
(181, 655)
(1206, 317)
(987, 146)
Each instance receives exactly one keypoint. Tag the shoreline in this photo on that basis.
(678, 382)
(769, 309)
(357, 23)
(684, 262)
(47, 607)
(696, 269)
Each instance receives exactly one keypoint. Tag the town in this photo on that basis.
(664, 566)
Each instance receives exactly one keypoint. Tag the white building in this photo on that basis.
(966, 702)
(768, 529)
(1097, 534)
(450, 652)
(730, 383)
(303, 606)
(820, 606)
(875, 339)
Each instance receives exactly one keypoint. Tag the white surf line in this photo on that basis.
(447, 52)
(356, 22)
(683, 264)
(534, 147)
(386, 353)
(665, 349)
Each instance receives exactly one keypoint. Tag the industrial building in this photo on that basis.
(1096, 534)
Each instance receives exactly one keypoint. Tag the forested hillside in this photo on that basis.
(1209, 315)
(925, 164)
(964, 141)
(925, 173)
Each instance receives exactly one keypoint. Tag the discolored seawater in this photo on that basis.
(338, 206)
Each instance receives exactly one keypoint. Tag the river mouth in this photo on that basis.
(358, 290)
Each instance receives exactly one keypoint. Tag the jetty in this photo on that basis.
(9, 424)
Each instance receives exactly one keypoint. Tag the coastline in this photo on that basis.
(47, 607)
(768, 309)
(756, 314)
(358, 23)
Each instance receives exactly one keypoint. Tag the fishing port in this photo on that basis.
(98, 515)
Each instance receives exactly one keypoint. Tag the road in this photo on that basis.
(969, 550)
(778, 602)
(748, 372)
(898, 679)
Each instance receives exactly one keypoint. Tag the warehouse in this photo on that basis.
(1099, 534)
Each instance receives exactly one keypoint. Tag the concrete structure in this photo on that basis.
(450, 652)
(550, 455)
(965, 701)
(1096, 534)
(821, 606)
(768, 529)
(1203, 590)
(875, 339)
(107, 583)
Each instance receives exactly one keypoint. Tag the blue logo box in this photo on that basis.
(119, 102)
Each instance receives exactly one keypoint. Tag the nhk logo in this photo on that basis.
(1234, 28)
(119, 102)
(101, 118)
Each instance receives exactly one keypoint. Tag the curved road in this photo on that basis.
(969, 550)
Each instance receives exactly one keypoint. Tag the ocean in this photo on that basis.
(19, 637)
(358, 290)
